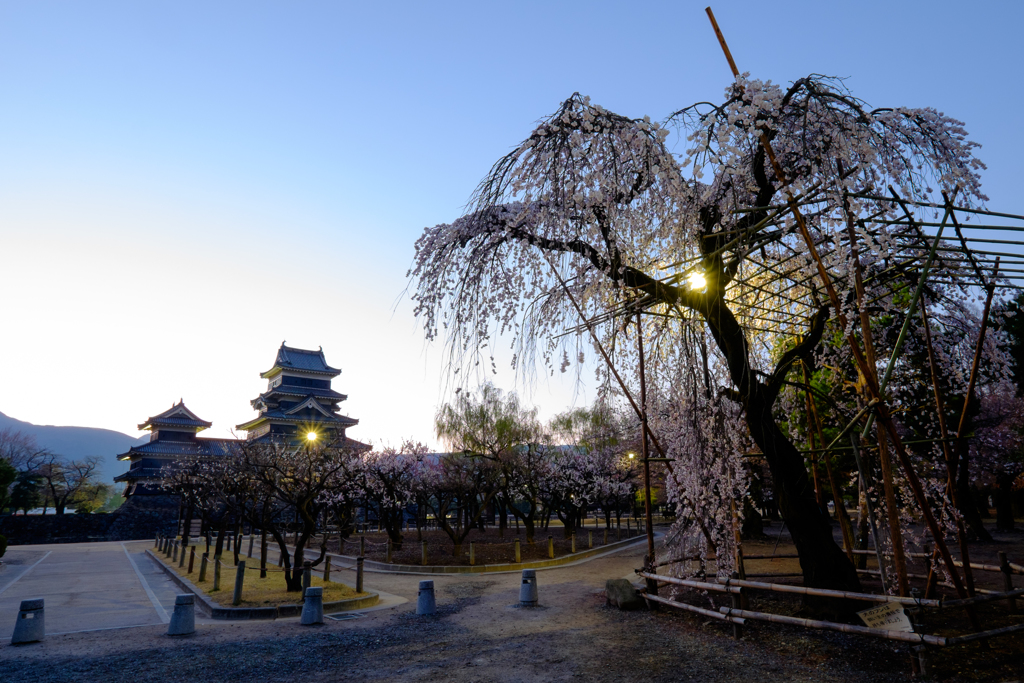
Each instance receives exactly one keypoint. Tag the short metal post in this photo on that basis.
(359, 575)
(519, 556)
(202, 567)
(472, 553)
(156, 542)
(528, 588)
(216, 572)
(425, 598)
(236, 598)
(551, 547)
(1004, 567)
(191, 559)
(423, 558)
(327, 568)
(181, 560)
(174, 551)
(362, 546)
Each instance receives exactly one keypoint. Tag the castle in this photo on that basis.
(298, 404)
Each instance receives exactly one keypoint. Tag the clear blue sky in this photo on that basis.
(184, 185)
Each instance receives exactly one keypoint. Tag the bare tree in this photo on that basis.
(65, 480)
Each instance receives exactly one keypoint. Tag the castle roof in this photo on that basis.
(177, 416)
(203, 447)
(289, 358)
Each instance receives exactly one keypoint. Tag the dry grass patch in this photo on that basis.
(256, 592)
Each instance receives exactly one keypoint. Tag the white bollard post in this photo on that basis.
(183, 620)
(313, 606)
(30, 627)
(425, 598)
(528, 589)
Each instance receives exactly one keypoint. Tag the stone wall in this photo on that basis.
(138, 518)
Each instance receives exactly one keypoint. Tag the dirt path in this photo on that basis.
(479, 634)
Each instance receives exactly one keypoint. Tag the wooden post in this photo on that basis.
(590, 539)
(551, 547)
(388, 557)
(156, 542)
(605, 536)
(327, 569)
(737, 603)
(644, 449)
(472, 553)
(519, 557)
(191, 559)
(252, 539)
(423, 558)
(263, 553)
(574, 544)
(307, 575)
(216, 572)
(362, 546)
(181, 560)
(202, 567)
(1004, 567)
(359, 575)
(236, 597)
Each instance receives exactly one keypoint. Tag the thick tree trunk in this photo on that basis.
(822, 561)
(1004, 500)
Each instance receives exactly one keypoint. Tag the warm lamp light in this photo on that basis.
(311, 436)
(632, 455)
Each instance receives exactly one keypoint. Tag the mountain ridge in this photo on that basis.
(80, 442)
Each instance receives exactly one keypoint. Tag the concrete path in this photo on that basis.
(87, 586)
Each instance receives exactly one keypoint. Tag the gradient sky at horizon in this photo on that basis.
(184, 185)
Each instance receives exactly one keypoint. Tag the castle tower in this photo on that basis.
(299, 401)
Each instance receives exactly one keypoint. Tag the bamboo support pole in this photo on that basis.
(688, 583)
(645, 451)
(871, 514)
(984, 635)
(693, 608)
(917, 638)
(826, 593)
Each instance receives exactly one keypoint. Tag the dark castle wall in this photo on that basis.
(140, 517)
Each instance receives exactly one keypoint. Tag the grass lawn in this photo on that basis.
(256, 592)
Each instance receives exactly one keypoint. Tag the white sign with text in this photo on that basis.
(889, 616)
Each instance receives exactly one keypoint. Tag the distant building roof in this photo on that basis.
(289, 358)
(179, 448)
(177, 416)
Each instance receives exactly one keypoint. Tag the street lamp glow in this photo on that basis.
(632, 455)
(696, 280)
(311, 436)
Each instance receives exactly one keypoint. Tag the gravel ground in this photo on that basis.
(480, 635)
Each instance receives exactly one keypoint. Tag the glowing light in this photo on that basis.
(697, 280)
(632, 455)
(311, 436)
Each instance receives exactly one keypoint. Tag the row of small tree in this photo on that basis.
(33, 477)
(501, 461)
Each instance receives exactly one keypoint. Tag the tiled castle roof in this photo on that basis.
(289, 358)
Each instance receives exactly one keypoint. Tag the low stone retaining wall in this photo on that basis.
(217, 611)
(135, 520)
(383, 567)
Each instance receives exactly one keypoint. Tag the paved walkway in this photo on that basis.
(87, 586)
